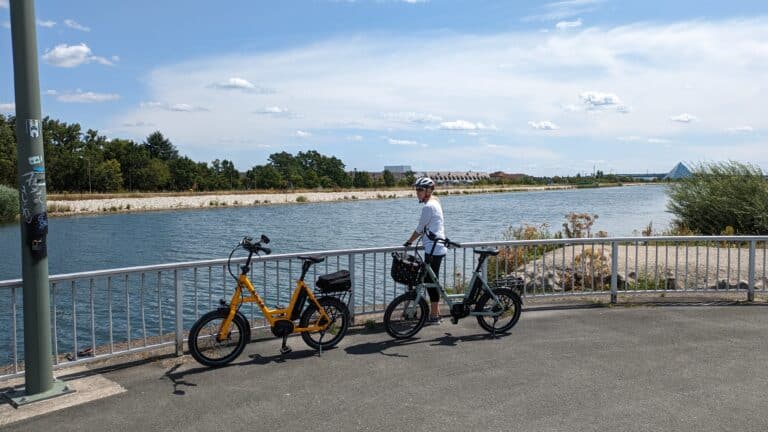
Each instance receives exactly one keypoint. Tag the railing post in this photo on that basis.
(751, 289)
(352, 293)
(614, 272)
(179, 314)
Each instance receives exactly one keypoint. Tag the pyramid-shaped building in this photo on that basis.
(678, 172)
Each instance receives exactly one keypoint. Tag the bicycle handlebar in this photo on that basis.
(432, 236)
(252, 247)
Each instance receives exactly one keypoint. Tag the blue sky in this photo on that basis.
(545, 88)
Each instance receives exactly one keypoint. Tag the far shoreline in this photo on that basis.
(83, 204)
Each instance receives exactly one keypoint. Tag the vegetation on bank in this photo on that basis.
(9, 204)
(721, 198)
(78, 161)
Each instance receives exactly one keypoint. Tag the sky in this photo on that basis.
(535, 87)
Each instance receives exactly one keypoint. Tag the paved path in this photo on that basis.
(670, 368)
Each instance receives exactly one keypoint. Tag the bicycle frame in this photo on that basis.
(300, 294)
(421, 289)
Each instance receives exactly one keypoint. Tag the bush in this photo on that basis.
(9, 204)
(721, 195)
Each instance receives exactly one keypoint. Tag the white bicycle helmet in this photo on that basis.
(424, 182)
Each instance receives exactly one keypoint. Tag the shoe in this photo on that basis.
(433, 320)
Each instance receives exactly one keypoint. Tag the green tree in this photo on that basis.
(8, 165)
(160, 147)
(154, 176)
(721, 195)
(362, 179)
(265, 177)
(107, 176)
(184, 174)
(389, 179)
(409, 177)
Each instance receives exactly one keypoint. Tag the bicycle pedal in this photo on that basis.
(285, 350)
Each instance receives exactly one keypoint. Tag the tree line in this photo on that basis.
(78, 161)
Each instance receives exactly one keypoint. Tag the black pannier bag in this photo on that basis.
(335, 282)
(406, 268)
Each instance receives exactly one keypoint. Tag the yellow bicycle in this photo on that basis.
(219, 336)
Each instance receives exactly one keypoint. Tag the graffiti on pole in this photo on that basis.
(33, 210)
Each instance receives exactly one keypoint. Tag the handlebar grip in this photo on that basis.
(266, 250)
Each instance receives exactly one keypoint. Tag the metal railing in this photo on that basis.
(102, 314)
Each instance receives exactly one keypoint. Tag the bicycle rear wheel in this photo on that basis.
(334, 333)
(506, 312)
(404, 317)
(203, 339)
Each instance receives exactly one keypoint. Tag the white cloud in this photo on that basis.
(564, 9)
(629, 138)
(658, 141)
(543, 125)
(46, 24)
(684, 118)
(182, 107)
(302, 134)
(355, 138)
(138, 123)
(565, 25)
(277, 112)
(241, 84)
(741, 129)
(402, 142)
(412, 117)
(177, 107)
(593, 99)
(68, 56)
(83, 97)
(7, 107)
(75, 25)
(461, 125)
(4, 4)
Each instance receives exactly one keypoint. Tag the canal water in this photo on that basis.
(83, 243)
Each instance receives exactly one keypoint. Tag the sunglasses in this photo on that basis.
(420, 189)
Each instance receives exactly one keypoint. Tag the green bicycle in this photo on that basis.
(497, 310)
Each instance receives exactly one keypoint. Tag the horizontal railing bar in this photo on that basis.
(279, 257)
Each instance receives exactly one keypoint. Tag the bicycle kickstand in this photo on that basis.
(320, 346)
(285, 349)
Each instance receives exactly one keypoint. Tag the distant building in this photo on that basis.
(504, 176)
(678, 172)
(397, 169)
(455, 177)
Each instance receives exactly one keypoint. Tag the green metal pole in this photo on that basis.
(38, 370)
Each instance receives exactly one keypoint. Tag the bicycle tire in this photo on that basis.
(203, 344)
(509, 299)
(339, 314)
(407, 327)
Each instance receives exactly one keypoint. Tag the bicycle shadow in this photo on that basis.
(448, 339)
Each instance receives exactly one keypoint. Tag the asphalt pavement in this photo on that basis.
(630, 368)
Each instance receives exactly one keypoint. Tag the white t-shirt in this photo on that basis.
(432, 219)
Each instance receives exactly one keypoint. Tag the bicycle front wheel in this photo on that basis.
(504, 314)
(204, 343)
(337, 328)
(404, 317)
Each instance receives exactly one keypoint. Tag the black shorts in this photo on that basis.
(434, 261)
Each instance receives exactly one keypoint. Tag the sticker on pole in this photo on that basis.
(33, 127)
(35, 160)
